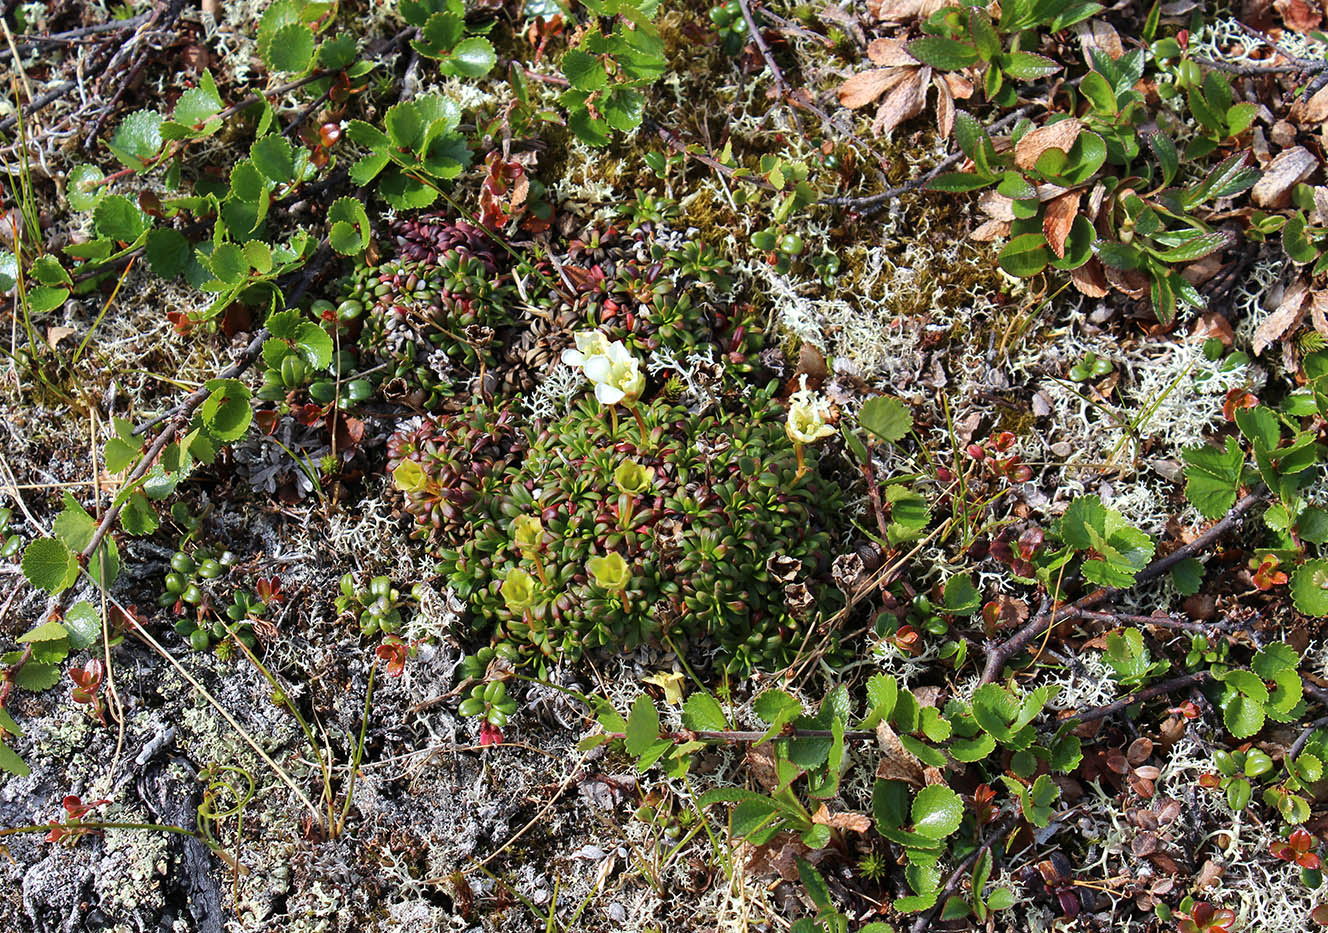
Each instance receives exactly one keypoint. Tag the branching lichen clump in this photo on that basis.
(721, 542)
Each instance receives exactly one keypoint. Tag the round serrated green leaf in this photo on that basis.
(118, 218)
(937, 811)
(82, 625)
(36, 676)
(584, 71)
(49, 565)
(137, 140)
(168, 252)
(338, 52)
(314, 345)
(473, 57)
(887, 418)
(1243, 716)
(292, 49)
(83, 187)
(1309, 587)
(344, 239)
(273, 156)
(195, 107)
(226, 413)
(228, 264)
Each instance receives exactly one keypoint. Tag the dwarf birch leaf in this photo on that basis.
(937, 811)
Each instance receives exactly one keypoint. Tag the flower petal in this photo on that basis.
(607, 394)
(597, 368)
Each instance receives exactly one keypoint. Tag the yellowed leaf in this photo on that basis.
(1058, 218)
(1056, 136)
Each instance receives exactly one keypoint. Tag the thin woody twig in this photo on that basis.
(1000, 655)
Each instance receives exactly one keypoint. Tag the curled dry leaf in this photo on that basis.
(1132, 283)
(865, 86)
(1055, 136)
(1319, 312)
(906, 99)
(897, 763)
(853, 822)
(1314, 110)
(1289, 313)
(1288, 168)
(1298, 14)
(1059, 218)
(1101, 36)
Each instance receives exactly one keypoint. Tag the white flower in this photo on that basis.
(808, 416)
(589, 344)
(616, 374)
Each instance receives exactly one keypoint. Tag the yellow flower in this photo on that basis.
(808, 416)
(632, 478)
(609, 572)
(519, 591)
(528, 532)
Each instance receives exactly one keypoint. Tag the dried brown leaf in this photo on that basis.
(1319, 312)
(960, 87)
(945, 108)
(1132, 283)
(1288, 314)
(1314, 110)
(996, 205)
(1288, 168)
(890, 53)
(1298, 15)
(904, 100)
(853, 822)
(897, 763)
(865, 86)
(992, 230)
(1058, 219)
(904, 11)
(1102, 36)
(1056, 136)
(55, 334)
(1090, 279)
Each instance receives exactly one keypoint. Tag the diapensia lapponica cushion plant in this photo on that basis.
(698, 530)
